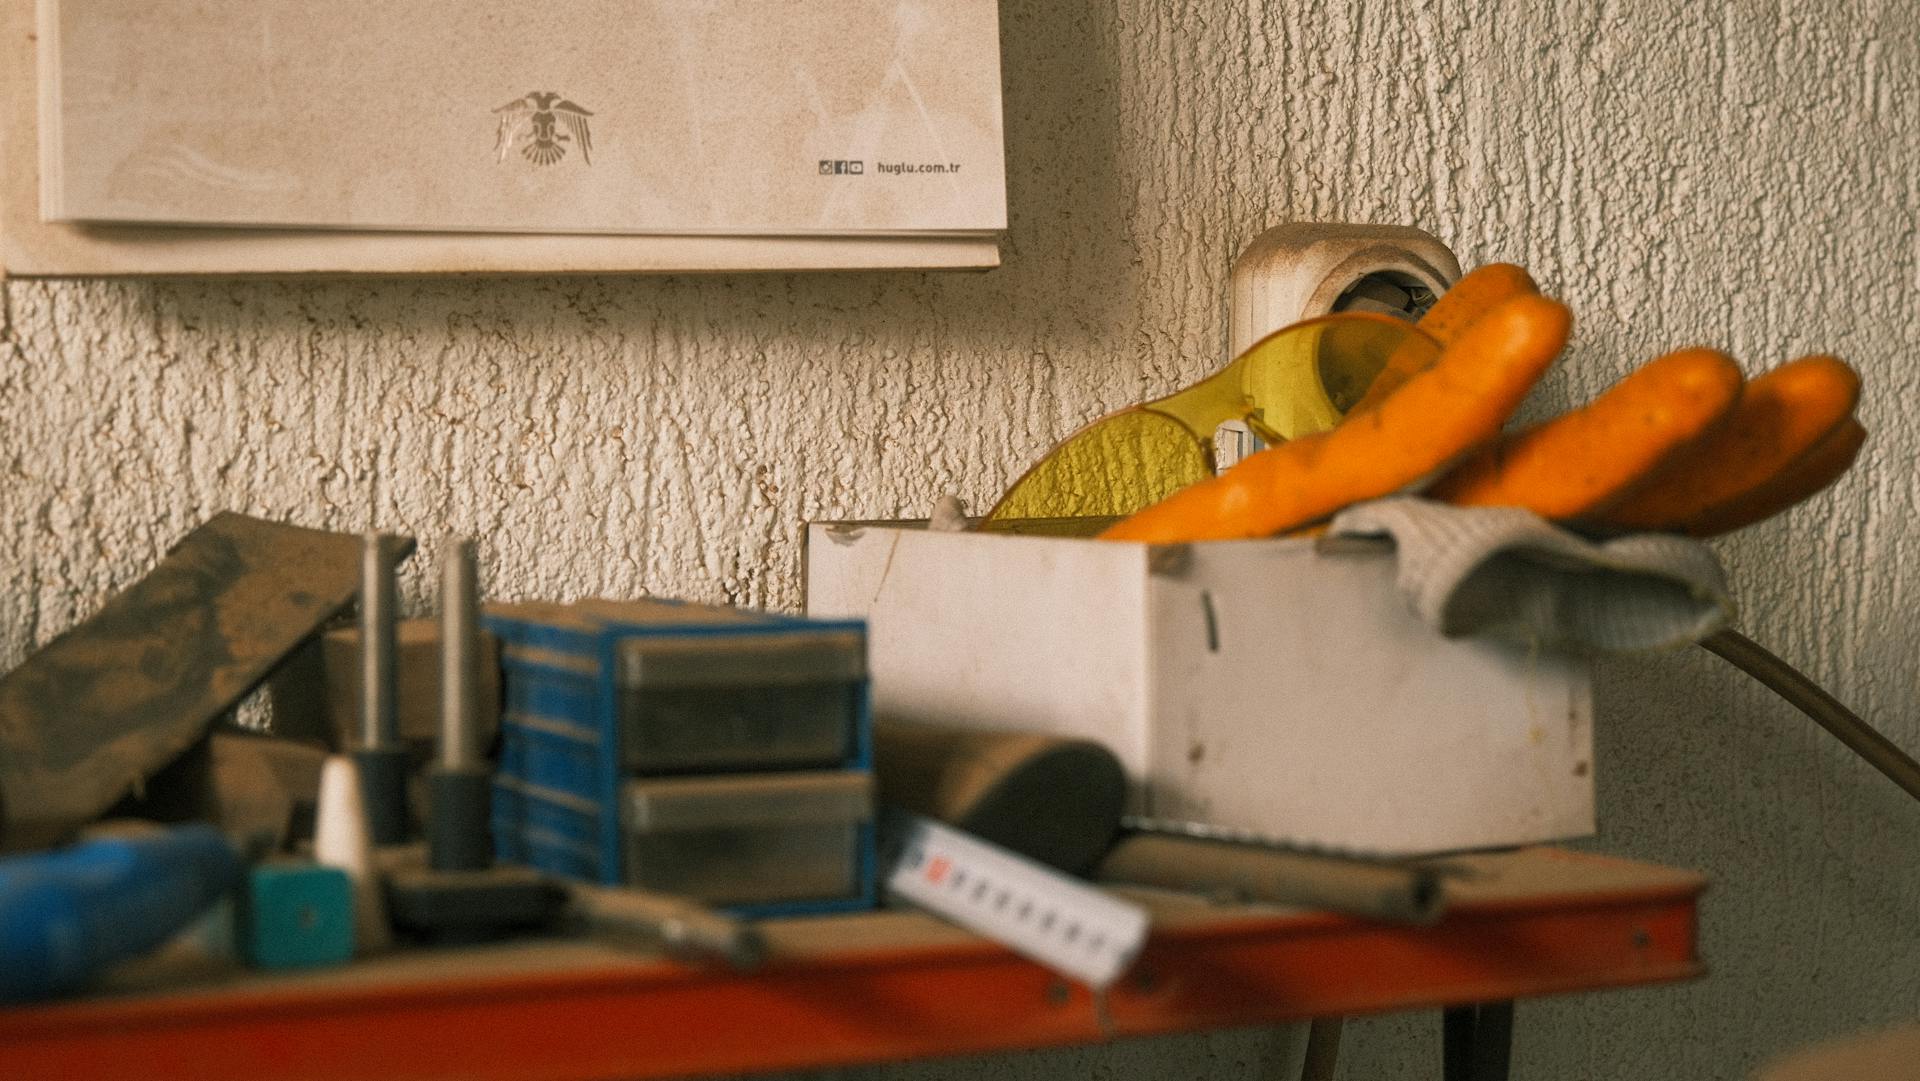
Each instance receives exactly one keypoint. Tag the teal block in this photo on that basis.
(293, 915)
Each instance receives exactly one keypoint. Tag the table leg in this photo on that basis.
(1323, 1049)
(1477, 1042)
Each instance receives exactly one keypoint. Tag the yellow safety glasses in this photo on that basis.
(1296, 381)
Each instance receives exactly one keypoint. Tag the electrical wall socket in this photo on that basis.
(1305, 269)
(1302, 269)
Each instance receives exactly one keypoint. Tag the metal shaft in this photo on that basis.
(381, 756)
(1242, 872)
(682, 927)
(459, 655)
(379, 726)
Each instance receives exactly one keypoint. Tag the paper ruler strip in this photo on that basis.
(1043, 915)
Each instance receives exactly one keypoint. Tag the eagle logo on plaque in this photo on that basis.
(533, 123)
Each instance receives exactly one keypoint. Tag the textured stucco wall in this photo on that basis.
(1744, 174)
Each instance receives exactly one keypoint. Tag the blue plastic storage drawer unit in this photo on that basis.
(600, 695)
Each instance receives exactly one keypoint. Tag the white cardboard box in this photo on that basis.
(1258, 685)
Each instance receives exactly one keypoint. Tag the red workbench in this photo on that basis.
(875, 987)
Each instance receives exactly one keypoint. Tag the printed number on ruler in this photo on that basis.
(1031, 909)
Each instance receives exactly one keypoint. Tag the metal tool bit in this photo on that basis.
(459, 651)
(682, 927)
(378, 685)
(458, 835)
(381, 756)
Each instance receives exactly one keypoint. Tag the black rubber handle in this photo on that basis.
(458, 837)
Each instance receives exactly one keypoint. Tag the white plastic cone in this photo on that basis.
(342, 838)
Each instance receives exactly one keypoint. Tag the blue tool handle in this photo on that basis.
(67, 914)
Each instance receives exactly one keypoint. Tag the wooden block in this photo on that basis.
(246, 783)
(1050, 799)
(259, 780)
(129, 689)
(298, 694)
(417, 669)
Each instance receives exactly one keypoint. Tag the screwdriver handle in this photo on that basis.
(67, 914)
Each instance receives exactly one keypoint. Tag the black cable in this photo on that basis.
(1791, 684)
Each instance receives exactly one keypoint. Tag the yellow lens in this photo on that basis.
(1296, 381)
(1303, 379)
(1353, 354)
(1280, 383)
(1112, 467)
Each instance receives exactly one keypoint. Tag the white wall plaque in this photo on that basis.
(740, 117)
